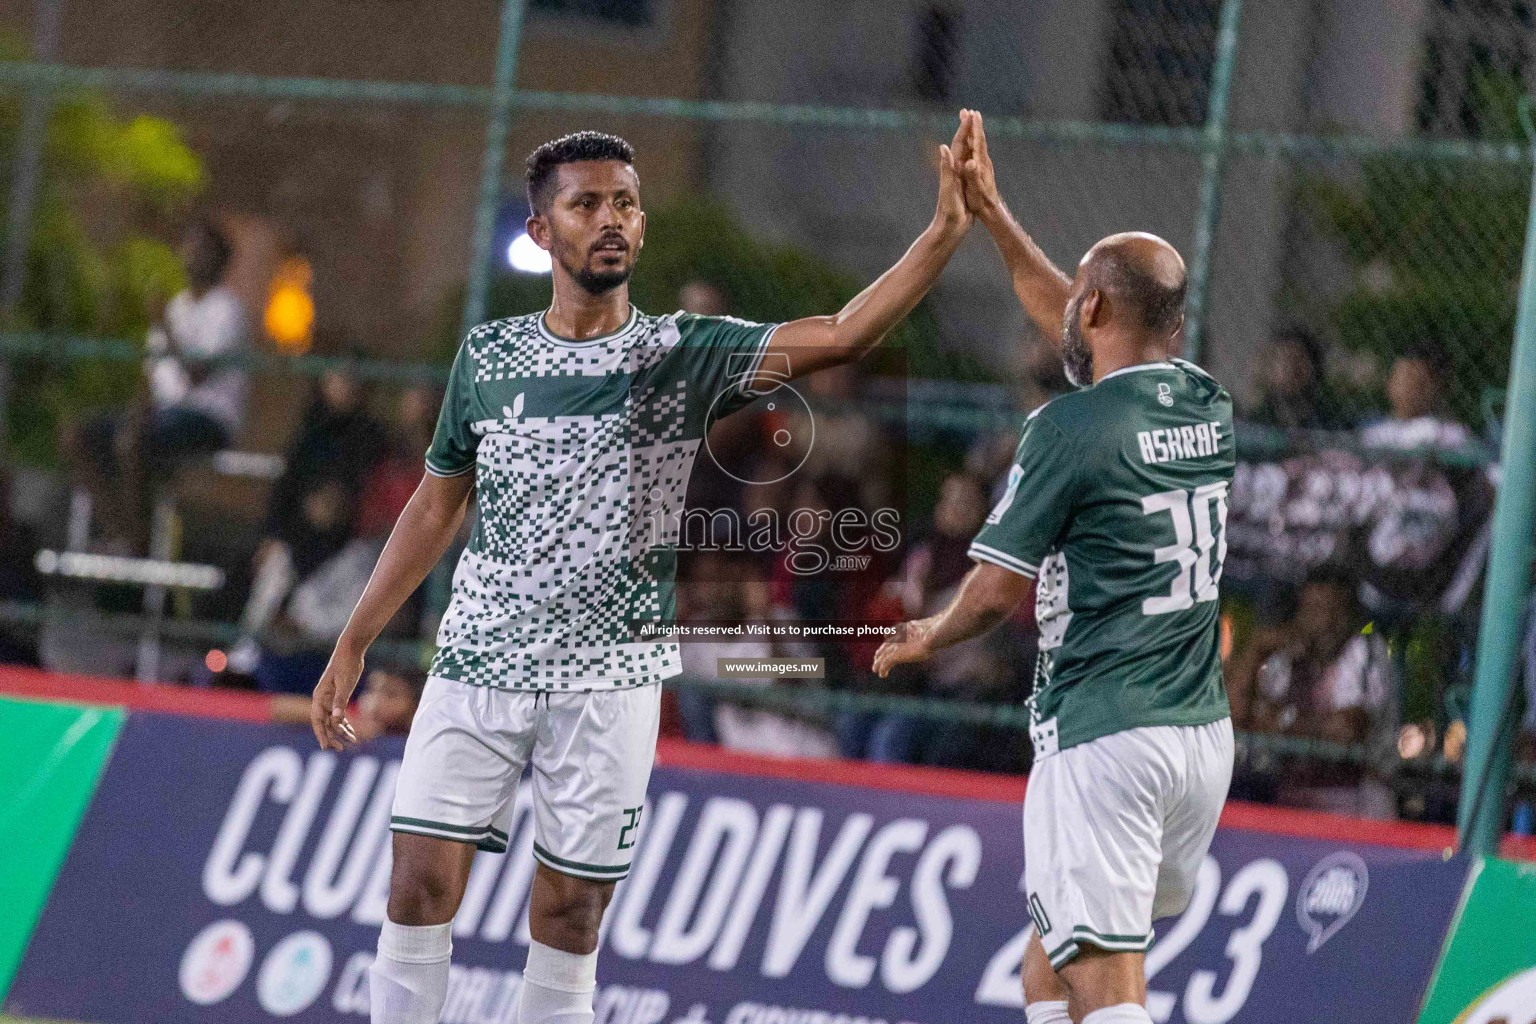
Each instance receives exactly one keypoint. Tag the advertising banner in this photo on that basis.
(1488, 975)
(1403, 524)
(229, 871)
(49, 764)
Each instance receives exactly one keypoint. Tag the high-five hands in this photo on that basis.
(981, 195)
(953, 212)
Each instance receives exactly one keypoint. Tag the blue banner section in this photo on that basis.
(229, 871)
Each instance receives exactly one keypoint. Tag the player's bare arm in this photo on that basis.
(1041, 286)
(988, 595)
(422, 534)
(815, 343)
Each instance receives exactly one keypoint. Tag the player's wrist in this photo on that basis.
(994, 215)
(351, 646)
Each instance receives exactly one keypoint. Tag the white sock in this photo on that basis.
(1124, 1013)
(408, 981)
(557, 986)
(1047, 1012)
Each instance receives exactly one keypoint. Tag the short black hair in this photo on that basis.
(1307, 340)
(1432, 354)
(218, 242)
(568, 149)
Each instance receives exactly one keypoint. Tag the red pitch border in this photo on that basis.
(923, 781)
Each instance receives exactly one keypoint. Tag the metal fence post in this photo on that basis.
(503, 90)
(1480, 817)
(1212, 159)
(24, 183)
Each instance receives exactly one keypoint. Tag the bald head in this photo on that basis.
(1143, 274)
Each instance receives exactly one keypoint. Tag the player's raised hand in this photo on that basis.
(912, 647)
(328, 706)
(952, 213)
(981, 195)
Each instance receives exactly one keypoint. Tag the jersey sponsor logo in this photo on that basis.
(1164, 394)
(1172, 444)
(1332, 893)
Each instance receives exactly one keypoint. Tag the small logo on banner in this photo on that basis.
(216, 962)
(294, 974)
(1332, 893)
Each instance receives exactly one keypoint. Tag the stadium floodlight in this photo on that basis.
(525, 256)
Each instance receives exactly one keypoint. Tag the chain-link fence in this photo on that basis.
(1348, 183)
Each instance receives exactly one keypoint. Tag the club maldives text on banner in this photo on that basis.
(230, 871)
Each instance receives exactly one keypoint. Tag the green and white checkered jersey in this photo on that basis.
(581, 452)
(1117, 505)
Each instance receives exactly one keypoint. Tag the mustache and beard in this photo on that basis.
(1076, 356)
(596, 280)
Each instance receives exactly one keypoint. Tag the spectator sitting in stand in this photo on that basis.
(195, 406)
(1416, 393)
(720, 590)
(308, 597)
(979, 670)
(391, 694)
(1317, 676)
(310, 514)
(1292, 391)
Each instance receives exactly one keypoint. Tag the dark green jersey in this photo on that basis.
(1117, 505)
(581, 452)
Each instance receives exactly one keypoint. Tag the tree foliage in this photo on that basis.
(108, 184)
(1434, 250)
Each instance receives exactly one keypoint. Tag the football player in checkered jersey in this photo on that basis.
(575, 430)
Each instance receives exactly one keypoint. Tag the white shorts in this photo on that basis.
(591, 755)
(1115, 830)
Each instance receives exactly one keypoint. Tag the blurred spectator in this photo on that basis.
(194, 407)
(19, 580)
(719, 591)
(392, 479)
(1317, 676)
(703, 298)
(1044, 377)
(1416, 394)
(1292, 391)
(311, 512)
(846, 442)
(386, 707)
(315, 596)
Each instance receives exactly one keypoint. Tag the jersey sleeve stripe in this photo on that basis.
(757, 363)
(435, 471)
(1002, 558)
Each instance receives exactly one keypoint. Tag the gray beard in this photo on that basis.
(1076, 356)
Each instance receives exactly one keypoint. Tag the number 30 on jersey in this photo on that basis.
(1199, 546)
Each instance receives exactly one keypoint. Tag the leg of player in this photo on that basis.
(408, 981)
(564, 914)
(1107, 988)
(1045, 994)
